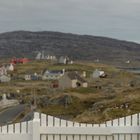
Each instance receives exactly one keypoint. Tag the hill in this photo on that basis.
(78, 47)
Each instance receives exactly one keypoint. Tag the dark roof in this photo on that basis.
(74, 75)
(55, 71)
(52, 71)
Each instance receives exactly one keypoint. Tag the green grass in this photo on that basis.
(83, 90)
(117, 113)
(73, 109)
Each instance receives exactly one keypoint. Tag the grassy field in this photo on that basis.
(103, 100)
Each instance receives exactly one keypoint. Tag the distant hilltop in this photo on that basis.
(77, 47)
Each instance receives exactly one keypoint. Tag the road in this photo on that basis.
(10, 114)
(28, 117)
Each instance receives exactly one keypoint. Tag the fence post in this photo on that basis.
(36, 127)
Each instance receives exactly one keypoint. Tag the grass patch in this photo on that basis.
(83, 90)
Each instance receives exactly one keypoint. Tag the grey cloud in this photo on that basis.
(113, 18)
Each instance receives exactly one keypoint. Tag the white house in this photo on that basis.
(52, 74)
(98, 74)
(9, 67)
(65, 60)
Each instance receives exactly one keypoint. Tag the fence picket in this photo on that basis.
(17, 128)
(11, 128)
(135, 137)
(96, 137)
(76, 137)
(63, 137)
(4, 129)
(50, 121)
(109, 138)
(122, 121)
(57, 122)
(134, 120)
(23, 127)
(50, 137)
(43, 137)
(121, 137)
(43, 120)
(116, 137)
(83, 137)
(89, 137)
(102, 137)
(128, 137)
(57, 137)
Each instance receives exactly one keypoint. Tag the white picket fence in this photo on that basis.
(45, 127)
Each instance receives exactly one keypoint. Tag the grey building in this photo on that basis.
(72, 80)
(52, 74)
(65, 60)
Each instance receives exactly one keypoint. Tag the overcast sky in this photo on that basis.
(113, 18)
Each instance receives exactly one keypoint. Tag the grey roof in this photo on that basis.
(74, 75)
(52, 72)
(55, 71)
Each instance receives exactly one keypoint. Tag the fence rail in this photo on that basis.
(45, 127)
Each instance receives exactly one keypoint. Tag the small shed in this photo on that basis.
(33, 77)
(27, 77)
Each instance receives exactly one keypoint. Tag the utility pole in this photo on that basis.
(34, 105)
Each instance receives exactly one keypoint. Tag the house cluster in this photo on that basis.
(74, 79)
(62, 79)
(43, 56)
(65, 79)
(61, 60)
(4, 69)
